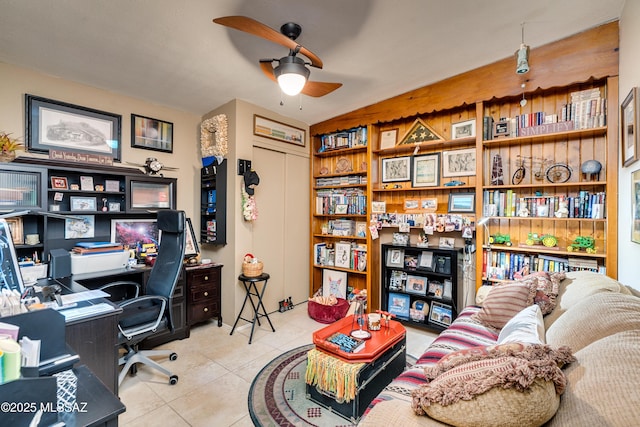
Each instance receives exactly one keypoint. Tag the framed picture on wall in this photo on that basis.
(628, 128)
(396, 169)
(426, 170)
(151, 134)
(635, 217)
(334, 283)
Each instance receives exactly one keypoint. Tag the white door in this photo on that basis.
(281, 232)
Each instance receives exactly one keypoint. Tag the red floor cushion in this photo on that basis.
(328, 313)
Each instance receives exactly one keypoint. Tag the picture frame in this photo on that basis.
(343, 255)
(396, 169)
(416, 285)
(440, 314)
(635, 217)
(459, 162)
(411, 204)
(399, 305)
(16, 229)
(426, 260)
(191, 243)
(11, 279)
(465, 129)
(112, 185)
(436, 289)
(134, 232)
(341, 209)
(410, 261)
(378, 207)
(462, 203)
(334, 282)
(425, 171)
(86, 183)
(80, 227)
(114, 206)
(156, 193)
(61, 126)
(151, 134)
(395, 258)
(429, 204)
(629, 119)
(59, 183)
(401, 239)
(388, 138)
(447, 242)
(78, 203)
(278, 131)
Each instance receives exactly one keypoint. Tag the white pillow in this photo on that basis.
(525, 327)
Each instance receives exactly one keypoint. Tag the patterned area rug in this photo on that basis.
(278, 398)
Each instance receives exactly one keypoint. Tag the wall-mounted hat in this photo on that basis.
(251, 179)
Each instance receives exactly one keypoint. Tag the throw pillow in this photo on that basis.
(511, 384)
(505, 301)
(525, 327)
(547, 288)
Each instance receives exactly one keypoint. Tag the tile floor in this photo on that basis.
(216, 371)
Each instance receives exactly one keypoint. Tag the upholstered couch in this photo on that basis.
(594, 319)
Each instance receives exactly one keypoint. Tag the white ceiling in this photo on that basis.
(169, 52)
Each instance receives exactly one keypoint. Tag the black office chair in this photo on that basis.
(151, 313)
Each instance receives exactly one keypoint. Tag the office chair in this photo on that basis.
(151, 313)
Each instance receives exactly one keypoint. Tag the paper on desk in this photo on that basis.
(30, 350)
(83, 296)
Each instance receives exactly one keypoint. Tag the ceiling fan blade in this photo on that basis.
(251, 26)
(267, 69)
(318, 89)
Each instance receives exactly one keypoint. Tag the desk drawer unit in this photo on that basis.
(204, 294)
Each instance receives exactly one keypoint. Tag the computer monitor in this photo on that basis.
(10, 276)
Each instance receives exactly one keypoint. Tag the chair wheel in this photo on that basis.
(173, 380)
(173, 356)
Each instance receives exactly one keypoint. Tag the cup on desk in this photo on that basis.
(11, 360)
(374, 321)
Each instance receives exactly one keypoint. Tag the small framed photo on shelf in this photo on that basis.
(397, 280)
(426, 260)
(459, 163)
(395, 258)
(396, 169)
(440, 314)
(16, 230)
(436, 288)
(86, 183)
(401, 239)
(462, 202)
(343, 255)
(334, 283)
(361, 229)
(426, 170)
(419, 310)
(114, 207)
(416, 285)
(447, 242)
(112, 185)
(411, 204)
(429, 204)
(388, 138)
(378, 207)
(399, 304)
(342, 209)
(410, 261)
(59, 183)
(466, 129)
(83, 203)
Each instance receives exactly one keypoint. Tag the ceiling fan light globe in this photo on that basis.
(291, 74)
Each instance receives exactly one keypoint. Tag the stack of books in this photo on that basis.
(91, 248)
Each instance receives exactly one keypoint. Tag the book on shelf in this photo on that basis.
(508, 203)
(346, 343)
(90, 248)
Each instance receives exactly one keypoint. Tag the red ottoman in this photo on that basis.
(328, 313)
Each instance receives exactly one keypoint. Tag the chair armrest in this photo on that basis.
(123, 284)
(133, 330)
(138, 300)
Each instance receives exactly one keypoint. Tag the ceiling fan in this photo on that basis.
(291, 72)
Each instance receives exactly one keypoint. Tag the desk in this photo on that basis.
(95, 338)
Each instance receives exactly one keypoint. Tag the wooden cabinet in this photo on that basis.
(204, 293)
(213, 204)
(421, 286)
(339, 208)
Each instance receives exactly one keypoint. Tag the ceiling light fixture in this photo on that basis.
(291, 74)
(522, 56)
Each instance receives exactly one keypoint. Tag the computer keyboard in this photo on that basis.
(86, 311)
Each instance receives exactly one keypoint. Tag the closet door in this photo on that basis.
(281, 232)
